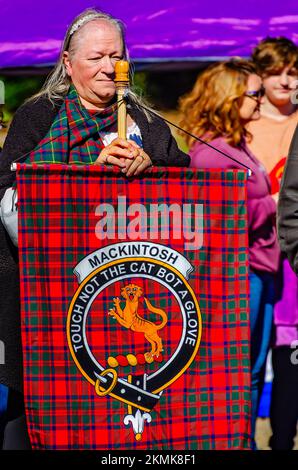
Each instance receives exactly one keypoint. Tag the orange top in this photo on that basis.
(271, 139)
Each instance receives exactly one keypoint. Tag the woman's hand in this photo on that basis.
(117, 153)
(275, 197)
(125, 154)
(139, 164)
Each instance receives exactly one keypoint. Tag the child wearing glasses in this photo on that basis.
(225, 97)
(276, 60)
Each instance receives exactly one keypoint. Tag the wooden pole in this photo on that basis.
(122, 83)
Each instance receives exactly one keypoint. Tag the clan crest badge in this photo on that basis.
(134, 324)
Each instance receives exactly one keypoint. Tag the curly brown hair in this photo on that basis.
(272, 55)
(211, 108)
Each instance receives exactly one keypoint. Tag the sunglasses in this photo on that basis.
(256, 95)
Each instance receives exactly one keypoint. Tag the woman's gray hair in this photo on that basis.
(58, 82)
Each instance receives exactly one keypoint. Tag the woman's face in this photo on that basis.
(97, 47)
(279, 87)
(250, 108)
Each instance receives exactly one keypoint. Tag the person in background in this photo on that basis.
(1, 123)
(276, 60)
(3, 388)
(225, 97)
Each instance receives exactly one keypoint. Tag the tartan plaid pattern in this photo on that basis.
(74, 135)
(208, 407)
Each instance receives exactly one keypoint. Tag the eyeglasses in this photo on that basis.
(256, 95)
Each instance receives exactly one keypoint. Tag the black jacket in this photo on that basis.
(287, 213)
(31, 123)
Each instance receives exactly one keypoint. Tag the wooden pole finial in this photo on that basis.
(121, 71)
(122, 83)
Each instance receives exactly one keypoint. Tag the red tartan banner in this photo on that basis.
(134, 308)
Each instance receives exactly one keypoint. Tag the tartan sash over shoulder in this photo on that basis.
(134, 335)
(74, 135)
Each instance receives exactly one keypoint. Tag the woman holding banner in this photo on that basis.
(73, 120)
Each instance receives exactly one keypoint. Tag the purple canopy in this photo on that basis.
(157, 30)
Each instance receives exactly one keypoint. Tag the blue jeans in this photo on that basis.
(13, 427)
(3, 410)
(261, 316)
